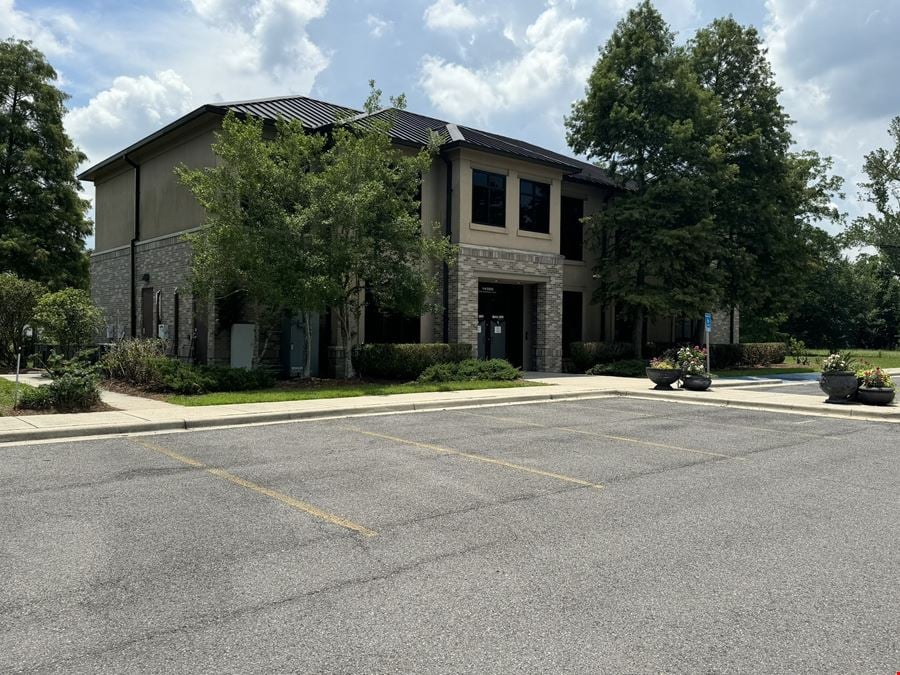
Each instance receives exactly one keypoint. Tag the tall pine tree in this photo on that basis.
(42, 218)
(649, 123)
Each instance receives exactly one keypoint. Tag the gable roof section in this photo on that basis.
(406, 127)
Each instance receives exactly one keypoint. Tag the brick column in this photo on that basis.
(548, 327)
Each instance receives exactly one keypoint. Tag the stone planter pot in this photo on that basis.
(696, 382)
(875, 395)
(663, 378)
(839, 386)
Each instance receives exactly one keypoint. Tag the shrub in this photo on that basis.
(36, 398)
(747, 355)
(182, 378)
(692, 360)
(133, 360)
(587, 354)
(69, 319)
(624, 368)
(471, 369)
(74, 388)
(405, 361)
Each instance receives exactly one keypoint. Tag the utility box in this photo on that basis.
(243, 342)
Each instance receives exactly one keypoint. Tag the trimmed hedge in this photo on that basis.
(471, 369)
(624, 368)
(405, 361)
(585, 355)
(747, 354)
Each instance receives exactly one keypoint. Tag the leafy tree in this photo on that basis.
(42, 218)
(69, 319)
(650, 124)
(257, 242)
(753, 210)
(365, 218)
(307, 222)
(18, 299)
(881, 228)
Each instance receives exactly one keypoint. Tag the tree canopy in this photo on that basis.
(42, 217)
(650, 124)
(307, 222)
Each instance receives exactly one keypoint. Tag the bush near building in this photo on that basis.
(405, 361)
(471, 370)
(75, 388)
(747, 355)
(586, 355)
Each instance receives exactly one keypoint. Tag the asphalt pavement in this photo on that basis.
(593, 536)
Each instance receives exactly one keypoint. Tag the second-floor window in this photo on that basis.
(571, 230)
(534, 206)
(488, 198)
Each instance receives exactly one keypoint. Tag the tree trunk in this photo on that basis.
(637, 334)
(346, 342)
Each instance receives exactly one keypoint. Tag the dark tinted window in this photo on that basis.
(572, 233)
(534, 206)
(488, 198)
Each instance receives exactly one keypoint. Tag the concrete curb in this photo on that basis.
(22, 435)
(862, 413)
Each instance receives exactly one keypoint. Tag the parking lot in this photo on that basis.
(606, 535)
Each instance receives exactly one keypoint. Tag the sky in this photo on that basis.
(509, 66)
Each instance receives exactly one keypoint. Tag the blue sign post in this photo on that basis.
(708, 318)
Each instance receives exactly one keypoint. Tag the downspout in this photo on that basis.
(134, 239)
(448, 231)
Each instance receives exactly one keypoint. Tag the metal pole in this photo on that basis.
(18, 366)
(707, 353)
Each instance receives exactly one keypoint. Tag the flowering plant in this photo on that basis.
(662, 363)
(692, 360)
(875, 378)
(836, 363)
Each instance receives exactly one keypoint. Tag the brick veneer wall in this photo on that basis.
(476, 262)
(110, 289)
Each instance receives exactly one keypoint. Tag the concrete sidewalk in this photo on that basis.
(136, 414)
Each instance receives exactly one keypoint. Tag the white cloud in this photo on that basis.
(836, 65)
(451, 16)
(540, 68)
(120, 115)
(48, 33)
(378, 26)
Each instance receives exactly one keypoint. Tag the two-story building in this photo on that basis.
(521, 287)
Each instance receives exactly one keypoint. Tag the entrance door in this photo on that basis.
(500, 322)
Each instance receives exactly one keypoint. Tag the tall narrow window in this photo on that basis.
(571, 243)
(488, 198)
(534, 206)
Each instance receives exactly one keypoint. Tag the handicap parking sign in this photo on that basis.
(708, 318)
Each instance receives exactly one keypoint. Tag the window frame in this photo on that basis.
(546, 209)
(493, 210)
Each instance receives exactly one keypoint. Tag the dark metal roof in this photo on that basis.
(406, 127)
(311, 112)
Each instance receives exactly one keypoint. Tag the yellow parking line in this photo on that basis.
(287, 500)
(477, 457)
(624, 439)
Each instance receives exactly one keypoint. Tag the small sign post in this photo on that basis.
(708, 319)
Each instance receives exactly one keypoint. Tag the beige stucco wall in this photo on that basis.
(114, 213)
(166, 205)
(510, 236)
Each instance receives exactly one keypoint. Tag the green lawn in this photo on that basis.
(7, 395)
(877, 357)
(342, 390)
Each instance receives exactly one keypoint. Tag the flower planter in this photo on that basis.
(839, 386)
(875, 395)
(696, 382)
(663, 378)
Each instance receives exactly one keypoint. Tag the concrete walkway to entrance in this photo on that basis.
(135, 414)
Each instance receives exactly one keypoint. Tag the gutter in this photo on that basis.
(136, 236)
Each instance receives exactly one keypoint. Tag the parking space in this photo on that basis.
(608, 535)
